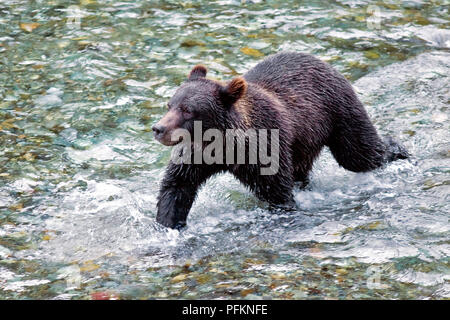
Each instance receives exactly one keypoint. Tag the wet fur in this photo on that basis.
(306, 99)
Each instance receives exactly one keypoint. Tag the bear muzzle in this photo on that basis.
(165, 127)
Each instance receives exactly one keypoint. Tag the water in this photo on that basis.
(80, 169)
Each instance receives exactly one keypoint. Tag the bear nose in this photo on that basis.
(158, 129)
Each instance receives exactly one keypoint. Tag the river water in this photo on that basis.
(82, 82)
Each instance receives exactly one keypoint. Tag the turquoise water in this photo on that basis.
(80, 169)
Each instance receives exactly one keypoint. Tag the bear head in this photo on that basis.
(199, 99)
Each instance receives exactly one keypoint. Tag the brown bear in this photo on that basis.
(306, 100)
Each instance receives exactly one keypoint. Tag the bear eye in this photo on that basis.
(187, 113)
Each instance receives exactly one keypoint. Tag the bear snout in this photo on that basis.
(166, 126)
(158, 130)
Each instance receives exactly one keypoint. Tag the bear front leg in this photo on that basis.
(178, 191)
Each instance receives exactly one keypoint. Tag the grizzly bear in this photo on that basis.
(306, 100)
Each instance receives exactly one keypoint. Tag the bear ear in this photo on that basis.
(234, 90)
(198, 72)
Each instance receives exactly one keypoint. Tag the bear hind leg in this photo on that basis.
(302, 176)
(357, 148)
(304, 163)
